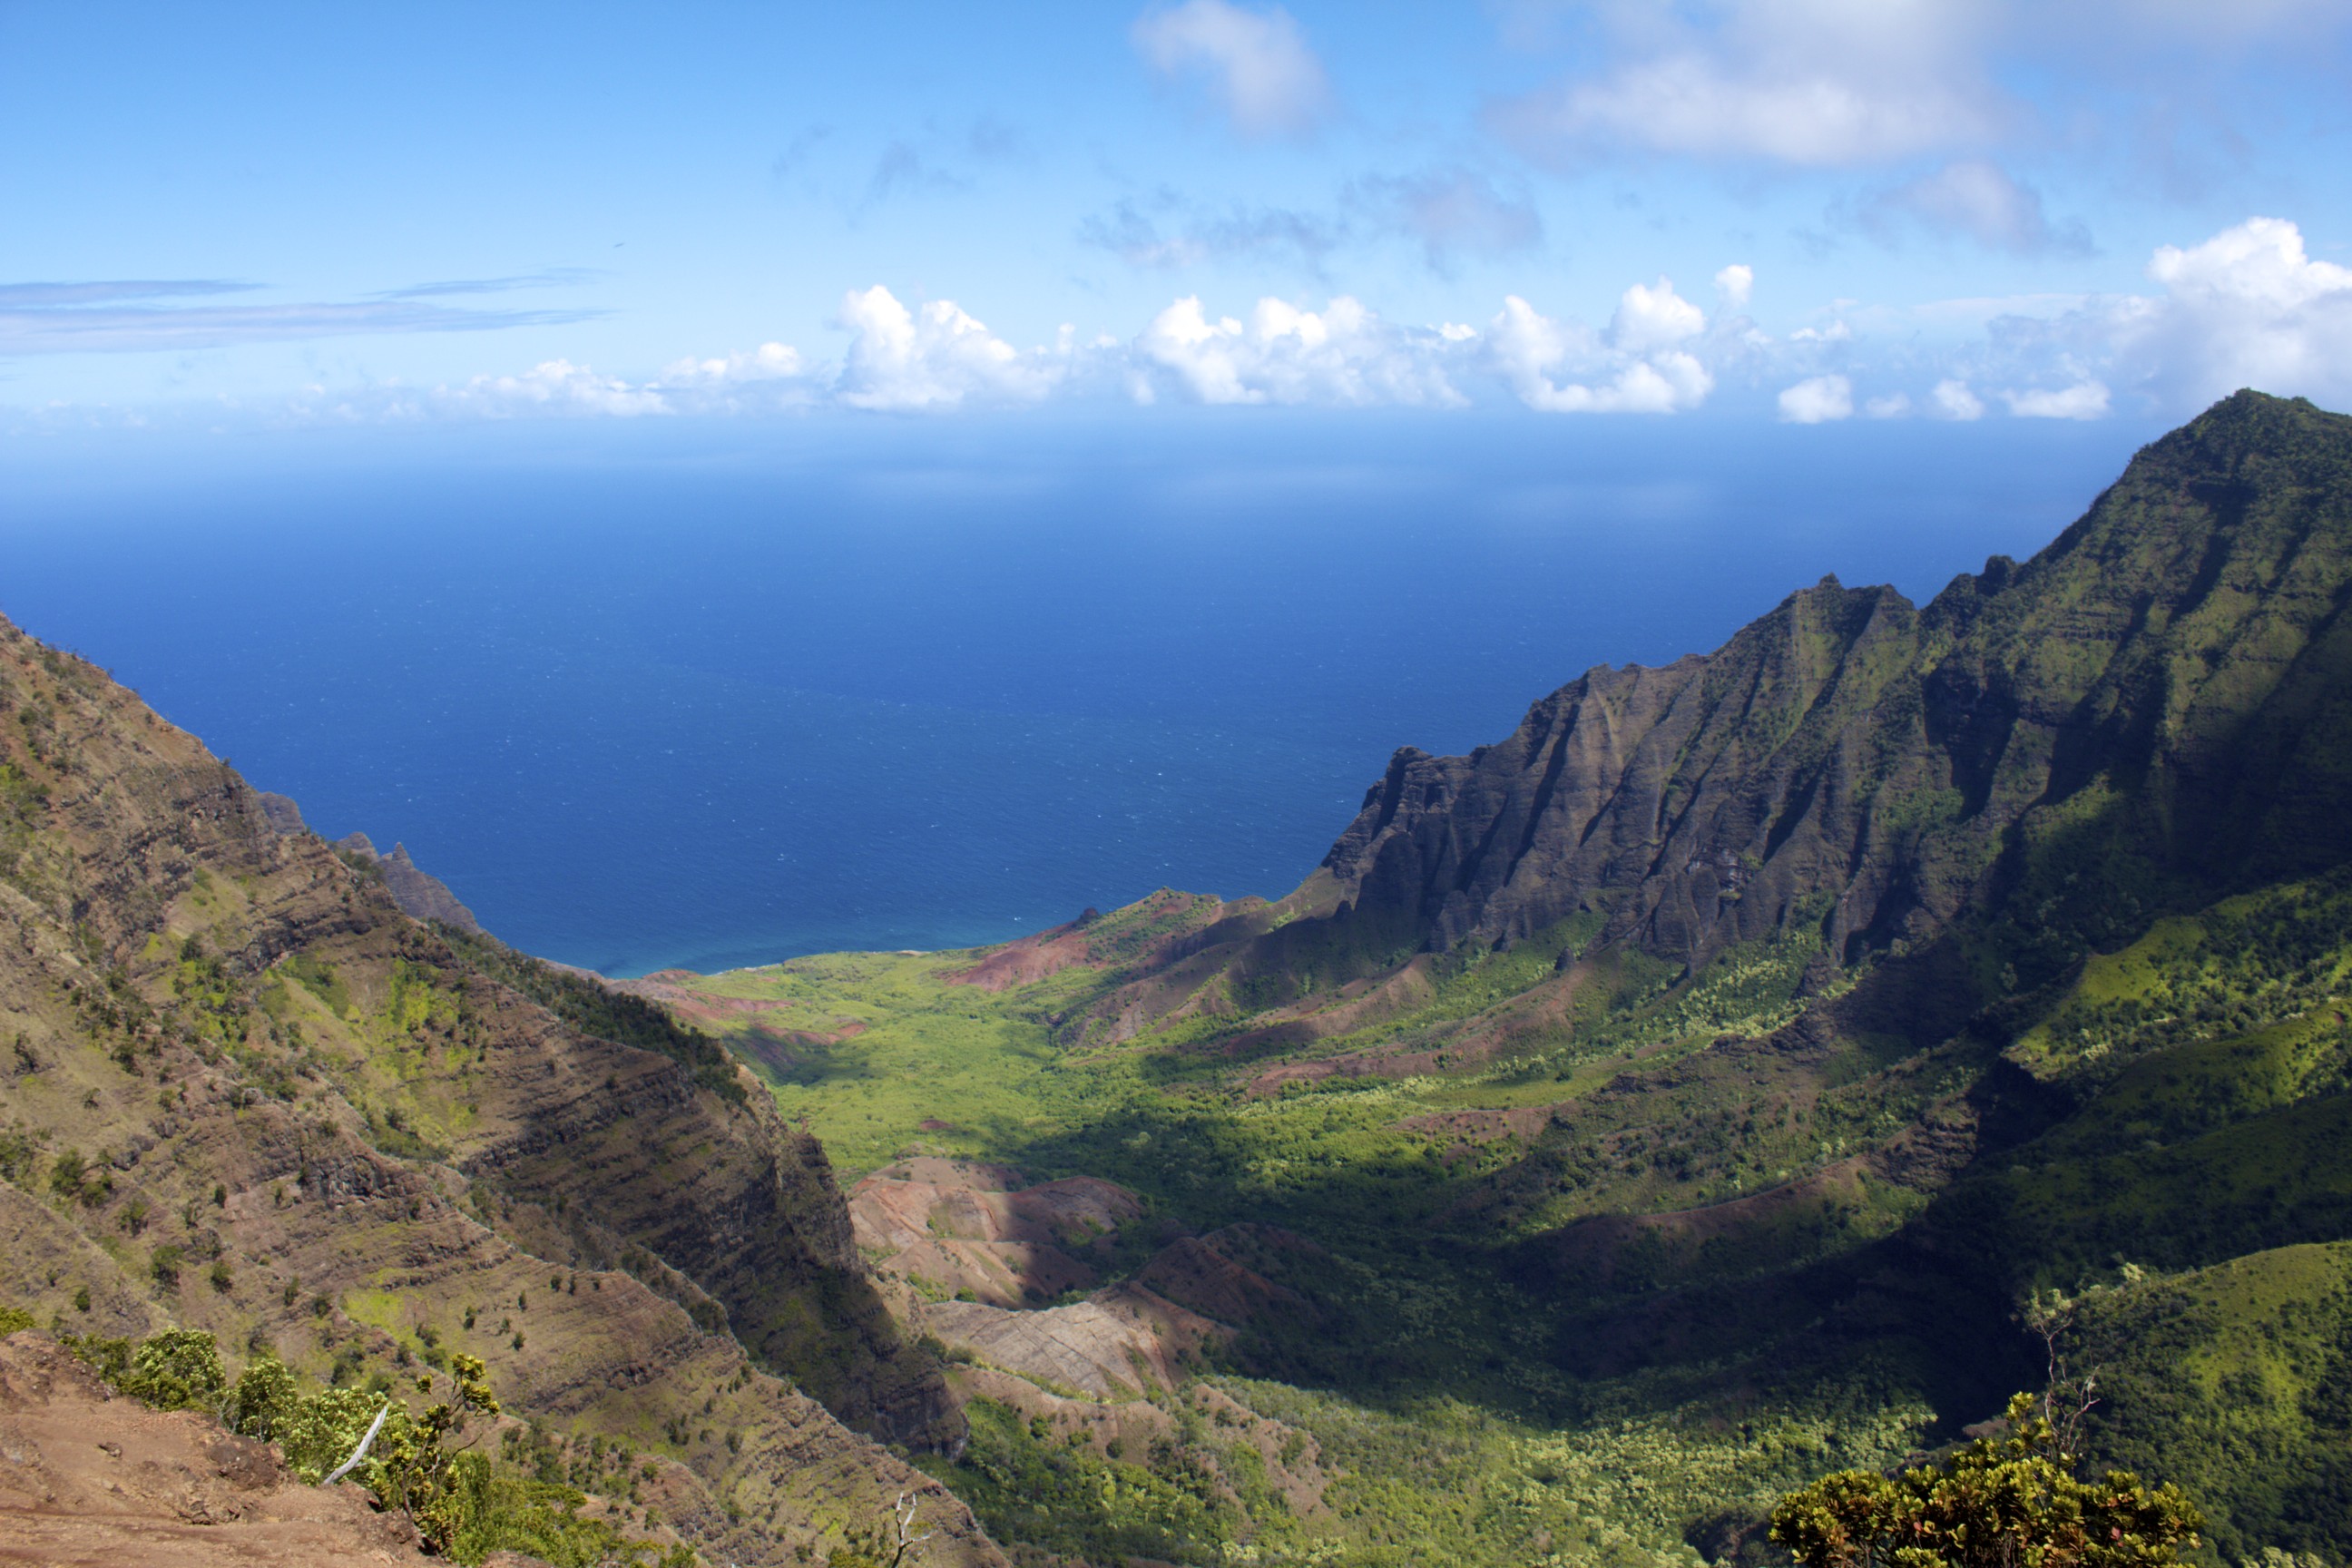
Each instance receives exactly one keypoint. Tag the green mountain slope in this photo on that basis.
(241, 1092)
(1689, 1087)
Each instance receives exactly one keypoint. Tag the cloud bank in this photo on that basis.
(2248, 306)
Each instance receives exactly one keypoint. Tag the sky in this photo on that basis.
(1778, 211)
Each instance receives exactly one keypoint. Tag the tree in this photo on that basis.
(414, 1469)
(2007, 1502)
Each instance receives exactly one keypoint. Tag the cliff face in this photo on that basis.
(240, 1090)
(2162, 691)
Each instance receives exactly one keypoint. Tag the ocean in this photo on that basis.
(710, 694)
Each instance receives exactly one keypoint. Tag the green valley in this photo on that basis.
(1686, 1097)
(1738, 1081)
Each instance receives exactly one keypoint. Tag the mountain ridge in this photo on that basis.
(250, 1095)
(1890, 764)
(1710, 1070)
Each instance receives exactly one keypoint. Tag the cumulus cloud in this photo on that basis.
(769, 362)
(1343, 354)
(1530, 350)
(1976, 198)
(2247, 308)
(1650, 318)
(770, 378)
(1817, 400)
(1812, 82)
(1258, 63)
(1657, 354)
(933, 357)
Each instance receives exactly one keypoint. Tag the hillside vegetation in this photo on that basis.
(242, 1094)
(1676, 1101)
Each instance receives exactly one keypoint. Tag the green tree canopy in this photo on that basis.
(2008, 1502)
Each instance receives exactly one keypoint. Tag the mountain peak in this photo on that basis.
(1850, 772)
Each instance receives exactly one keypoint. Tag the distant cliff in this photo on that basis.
(2159, 695)
(420, 894)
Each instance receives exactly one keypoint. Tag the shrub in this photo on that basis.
(1995, 1503)
(164, 1264)
(179, 1369)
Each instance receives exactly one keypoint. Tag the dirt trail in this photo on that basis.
(87, 1477)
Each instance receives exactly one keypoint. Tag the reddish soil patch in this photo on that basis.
(960, 1226)
(1026, 959)
(87, 1477)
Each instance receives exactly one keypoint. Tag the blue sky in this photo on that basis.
(1794, 210)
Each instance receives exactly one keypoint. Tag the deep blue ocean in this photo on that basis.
(712, 695)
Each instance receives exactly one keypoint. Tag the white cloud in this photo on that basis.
(556, 386)
(1342, 355)
(1258, 63)
(769, 362)
(1527, 348)
(2084, 400)
(1978, 198)
(771, 377)
(1654, 318)
(1893, 405)
(2247, 308)
(935, 357)
(1736, 283)
(1953, 400)
(1818, 400)
(1813, 82)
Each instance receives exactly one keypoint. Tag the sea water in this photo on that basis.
(715, 694)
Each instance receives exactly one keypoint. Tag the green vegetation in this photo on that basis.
(1994, 1504)
(1483, 1374)
(2237, 1380)
(465, 1504)
(1069, 1499)
(593, 1009)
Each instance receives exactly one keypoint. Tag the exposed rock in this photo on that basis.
(280, 812)
(1115, 1343)
(420, 894)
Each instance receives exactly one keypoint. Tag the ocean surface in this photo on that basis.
(715, 694)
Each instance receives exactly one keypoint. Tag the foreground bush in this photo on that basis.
(465, 1505)
(2013, 1502)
